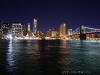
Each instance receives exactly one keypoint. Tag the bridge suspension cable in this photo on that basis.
(92, 28)
(76, 30)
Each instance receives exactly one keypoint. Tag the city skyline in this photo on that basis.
(52, 13)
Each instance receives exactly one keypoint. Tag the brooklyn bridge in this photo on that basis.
(84, 33)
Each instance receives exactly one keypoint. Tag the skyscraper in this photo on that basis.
(62, 30)
(28, 26)
(35, 26)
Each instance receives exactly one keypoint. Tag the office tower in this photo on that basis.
(69, 31)
(62, 30)
(17, 29)
(29, 27)
(35, 26)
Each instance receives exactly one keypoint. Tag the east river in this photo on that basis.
(49, 57)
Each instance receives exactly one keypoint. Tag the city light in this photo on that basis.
(10, 36)
(20, 32)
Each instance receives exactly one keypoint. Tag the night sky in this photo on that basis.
(50, 13)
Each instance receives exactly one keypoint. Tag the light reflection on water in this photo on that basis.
(10, 59)
(49, 57)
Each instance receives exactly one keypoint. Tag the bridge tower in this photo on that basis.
(82, 33)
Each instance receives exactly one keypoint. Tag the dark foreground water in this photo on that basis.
(55, 57)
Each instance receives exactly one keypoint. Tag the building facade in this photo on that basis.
(5, 28)
(69, 31)
(54, 32)
(35, 26)
(17, 29)
(62, 30)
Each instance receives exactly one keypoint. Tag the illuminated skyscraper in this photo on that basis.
(28, 26)
(35, 26)
(62, 30)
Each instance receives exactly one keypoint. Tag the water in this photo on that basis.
(49, 57)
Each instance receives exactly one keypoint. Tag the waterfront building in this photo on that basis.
(17, 29)
(48, 33)
(69, 31)
(39, 34)
(24, 30)
(5, 28)
(35, 26)
(62, 30)
(54, 32)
